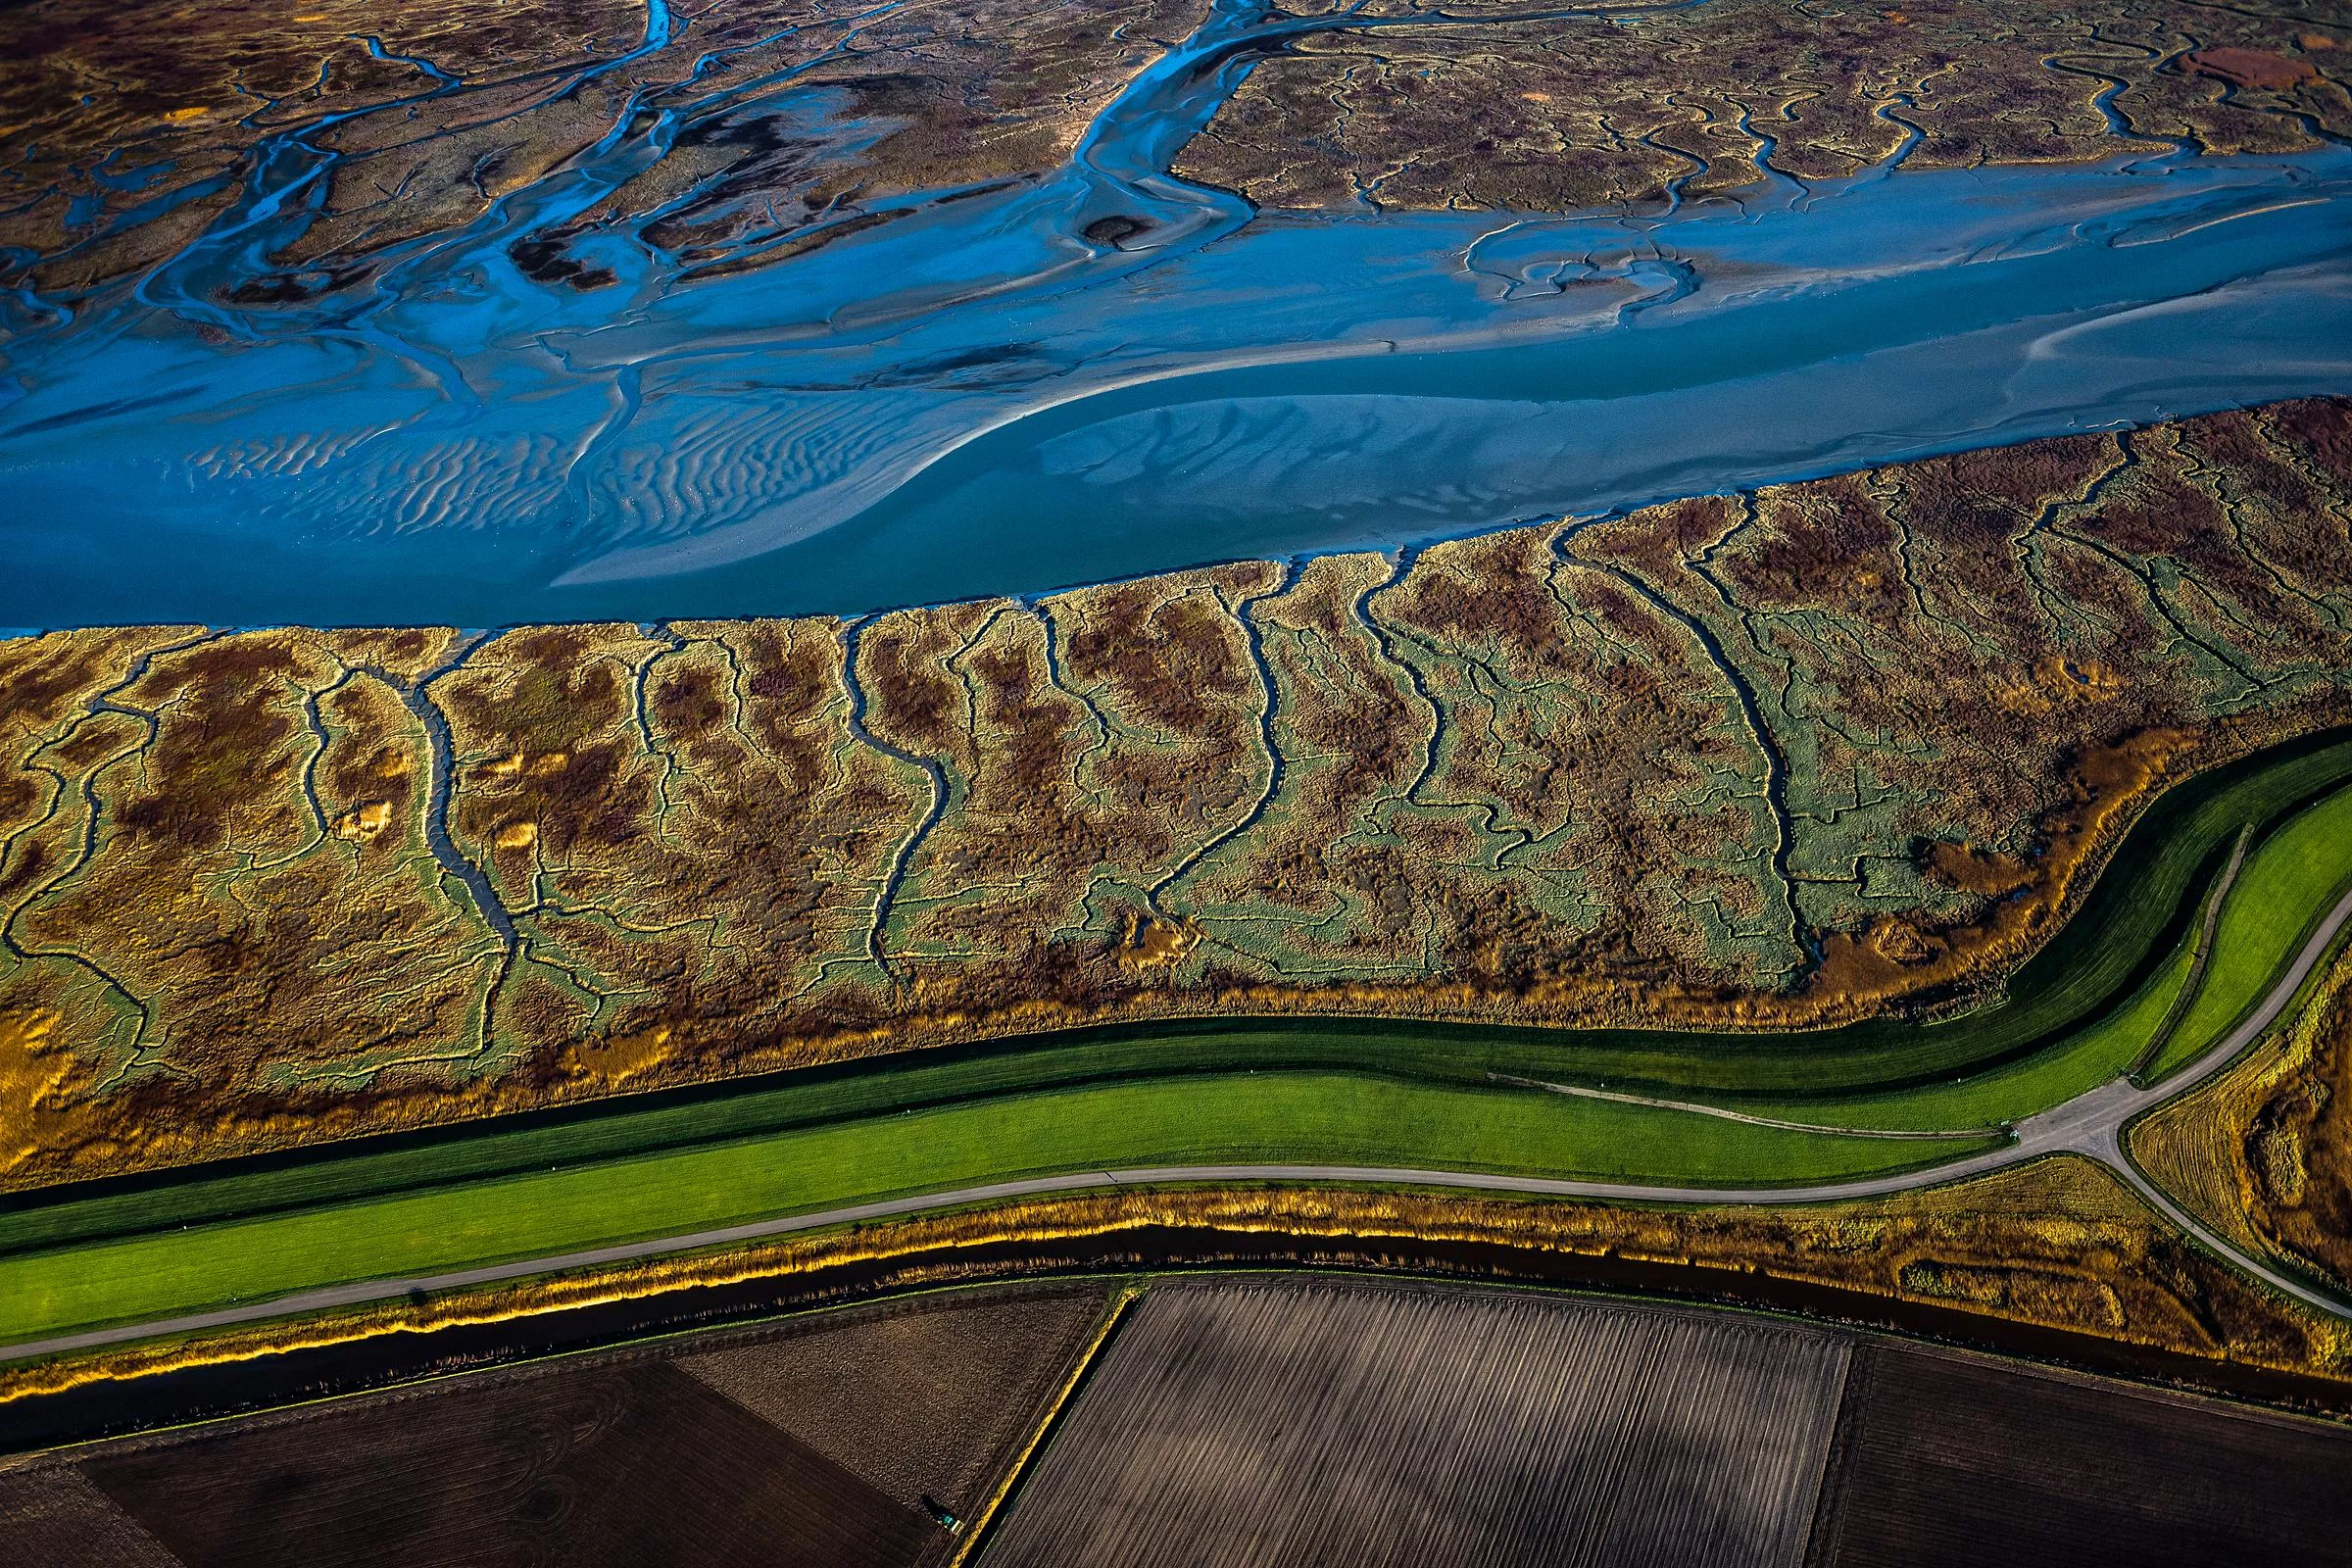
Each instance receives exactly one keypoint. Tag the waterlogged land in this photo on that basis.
(778, 124)
(1687, 102)
(1787, 759)
(138, 138)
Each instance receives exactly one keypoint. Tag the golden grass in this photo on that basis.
(976, 1529)
(33, 1066)
(2057, 1244)
(615, 1059)
(2238, 1150)
(1151, 943)
(365, 820)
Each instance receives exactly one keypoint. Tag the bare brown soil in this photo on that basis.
(829, 1438)
(1310, 1417)
(2251, 68)
(1288, 1422)
(1949, 1460)
(56, 1516)
(927, 1399)
(635, 1464)
(1838, 749)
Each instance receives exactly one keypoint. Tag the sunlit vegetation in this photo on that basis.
(1290, 1117)
(2262, 1152)
(2287, 884)
(1579, 776)
(1301, 1096)
(2059, 1245)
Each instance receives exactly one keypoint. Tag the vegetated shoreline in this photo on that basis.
(2212, 1145)
(1117, 167)
(2282, 779)
(1212, 796)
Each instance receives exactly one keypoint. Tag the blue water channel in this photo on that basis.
(978, 397)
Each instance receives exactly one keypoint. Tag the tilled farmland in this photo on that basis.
(1285, 1423)
(1949, 1461)
(858, 1439)
(925, 1398)
(1255, 1420)
(1277, 1421)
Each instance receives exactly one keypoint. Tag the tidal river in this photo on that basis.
(1094, 374)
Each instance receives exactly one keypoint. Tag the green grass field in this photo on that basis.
(1323, 1118)
(1273, 1091)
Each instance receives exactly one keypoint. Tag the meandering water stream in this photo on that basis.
(1096, 372)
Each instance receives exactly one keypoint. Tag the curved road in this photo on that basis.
(2090, 1125)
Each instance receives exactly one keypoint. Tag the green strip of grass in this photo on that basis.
(2286, 885)
(2280, 892)
(1315, 1118)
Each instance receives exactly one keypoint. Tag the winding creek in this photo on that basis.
(978, 397)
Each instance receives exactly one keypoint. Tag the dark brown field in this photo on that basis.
(1246, 1421)
(926, 1398)
(621, 1465)
(1281, 1422)
(1945, 1460)
(830, 1442)
(1836, 750)
(56, 1516)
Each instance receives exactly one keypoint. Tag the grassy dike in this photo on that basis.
(1298, 1092)
(1316, 1118)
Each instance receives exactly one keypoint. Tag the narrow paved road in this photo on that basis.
(2090, 1125)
